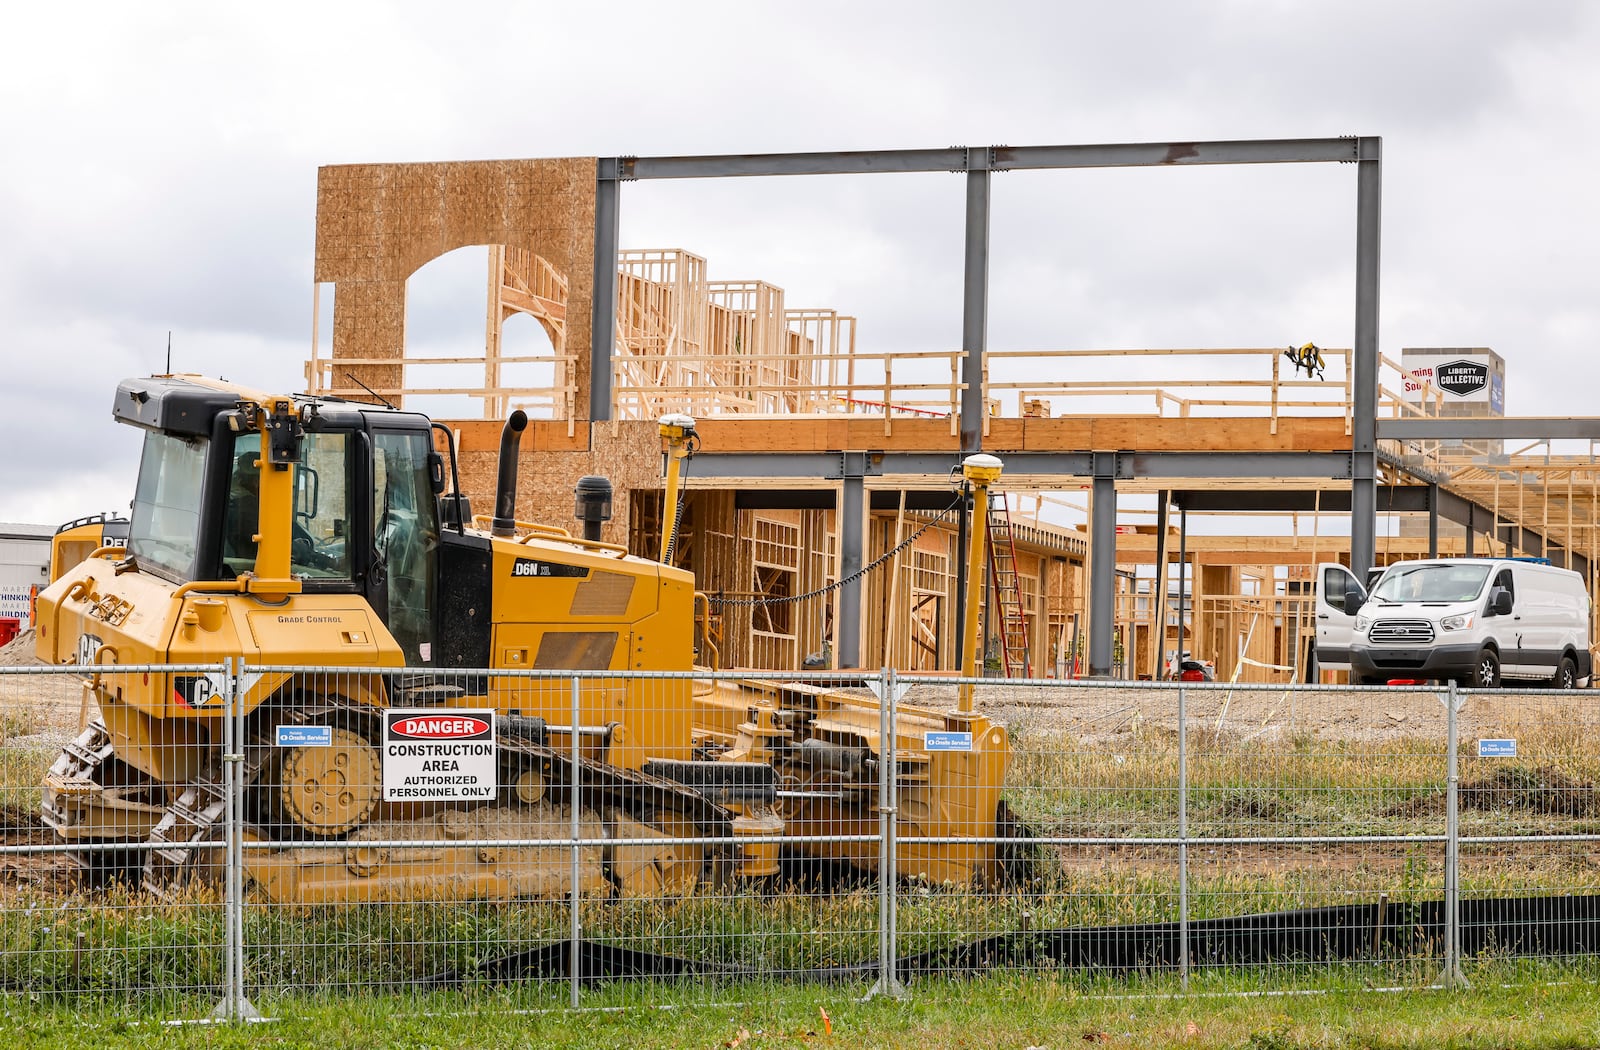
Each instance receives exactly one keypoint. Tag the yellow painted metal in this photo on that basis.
(556, 604)
(980, 471)
(678, 432)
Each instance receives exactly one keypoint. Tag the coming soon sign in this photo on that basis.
(431, 755)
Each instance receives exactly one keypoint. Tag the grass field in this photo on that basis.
(990, 1014)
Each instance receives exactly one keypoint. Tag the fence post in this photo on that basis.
(576, 958)
(888, 690)
(234, 1006)
(1183, 838)
(1452, 976)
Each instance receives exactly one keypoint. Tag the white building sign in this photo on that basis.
(1458, 377)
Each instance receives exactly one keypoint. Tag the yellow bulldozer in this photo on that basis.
(301, 536)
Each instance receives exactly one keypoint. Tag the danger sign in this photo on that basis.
(431, 755)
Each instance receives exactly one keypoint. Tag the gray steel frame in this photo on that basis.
(1360, 466)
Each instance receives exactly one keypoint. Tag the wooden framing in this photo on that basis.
(762, 376)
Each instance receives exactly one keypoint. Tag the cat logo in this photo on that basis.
(87, 649)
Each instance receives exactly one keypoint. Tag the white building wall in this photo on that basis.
(24, 564)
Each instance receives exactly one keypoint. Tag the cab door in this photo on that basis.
(405, 540)
(1335, 626)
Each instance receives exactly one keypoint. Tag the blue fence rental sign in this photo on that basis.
(1497, 748)
(305, 736)
(947, 741)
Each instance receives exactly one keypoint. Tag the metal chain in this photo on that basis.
(931, 522)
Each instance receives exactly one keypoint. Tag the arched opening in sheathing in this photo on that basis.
(444, 336)
(486, 334)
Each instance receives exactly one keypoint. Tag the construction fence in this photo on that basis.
(238, 853)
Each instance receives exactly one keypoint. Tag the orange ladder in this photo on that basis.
(1004, 586)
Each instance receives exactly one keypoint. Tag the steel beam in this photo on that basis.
(1547, 428)
(1006, 158)
(826, 499)
(1226, 465)
(1126, 466)
(1273, 501)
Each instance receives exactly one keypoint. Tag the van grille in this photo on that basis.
(1404, 631)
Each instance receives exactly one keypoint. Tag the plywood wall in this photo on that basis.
(377, 224)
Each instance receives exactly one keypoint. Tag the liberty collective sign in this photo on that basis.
(1462, 378)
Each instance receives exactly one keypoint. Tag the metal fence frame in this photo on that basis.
(890, 686)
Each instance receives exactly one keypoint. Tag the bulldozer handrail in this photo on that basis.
(526, 526)
(235, 586)
(702, 615)
(597, 545)
(537, 531)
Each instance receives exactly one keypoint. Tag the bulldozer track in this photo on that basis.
(74, 770)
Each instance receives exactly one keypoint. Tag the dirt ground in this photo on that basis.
(53, 706)
(48, 706)
(1090, 712)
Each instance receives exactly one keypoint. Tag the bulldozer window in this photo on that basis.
(165, 527)
(319, 543)
(406, 537)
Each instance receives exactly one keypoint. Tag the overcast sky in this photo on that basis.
(161, 160)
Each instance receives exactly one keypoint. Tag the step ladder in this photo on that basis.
(1006, 591)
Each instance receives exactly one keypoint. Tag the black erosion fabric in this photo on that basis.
(1523, 926)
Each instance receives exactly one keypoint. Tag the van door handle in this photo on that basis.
(1323, 616)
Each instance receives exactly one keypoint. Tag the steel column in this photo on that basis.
(852, 511)
(1183, 572)
(1364, 391)
(603, 328)
(1158, 589)
(975, 300)
(1103, 565)
(1433, 521)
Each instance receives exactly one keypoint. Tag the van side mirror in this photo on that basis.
(1354, 599)
(1500, 601)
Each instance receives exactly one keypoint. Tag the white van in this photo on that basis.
(1474, 620)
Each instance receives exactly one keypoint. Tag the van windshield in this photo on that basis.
(1431, 583)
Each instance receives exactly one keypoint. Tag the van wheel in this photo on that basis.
(1486, 673)
(1566, 675)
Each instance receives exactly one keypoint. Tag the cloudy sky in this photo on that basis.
(161, 165)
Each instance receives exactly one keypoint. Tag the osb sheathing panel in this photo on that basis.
(377, 224)
(1147, 433)
(629, 454)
